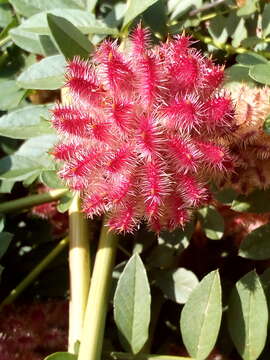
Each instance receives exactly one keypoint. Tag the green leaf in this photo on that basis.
(50, 178)
(82, 20)
(256, 245)
(38, 147)
(201, 317)
(225, 196)
(265, 280)
(266, 20)
(2, 221)
(217, 29)
(237, 74)
(156, 18)
(61, 356)
(5, 32)
(178, 8)
(26, 122)
(6, 186)
(91, 4)
(68, 38)
(135, 8)
(11, 95)
(249, 8)
(18, 168)
(213, 222)
(132, 302)
(47, 45)
(26, 40)
(258, 202)
(5, 240)
(266, 125)
(248, 316)
(5, 15)
(65, 202)
(30, 7)
(240, 33)
(47, 74)
(177, 285)
(260, 73)
(249, 59)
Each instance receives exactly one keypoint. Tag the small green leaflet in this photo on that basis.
(201, 317)
(132, 302)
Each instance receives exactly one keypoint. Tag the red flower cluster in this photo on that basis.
(143, 133)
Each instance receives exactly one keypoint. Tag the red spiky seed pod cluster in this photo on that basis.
(142, 135)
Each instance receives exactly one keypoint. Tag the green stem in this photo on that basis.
(126, 356)
(5, 40)
(34, 273)
(79, 265)
(95, 315)
(227, 47)
(29, 201)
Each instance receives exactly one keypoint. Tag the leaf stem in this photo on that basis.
(5, 40)
(29, 201)
(34, 273)
(95, 315)
(127, 356)
(79, 265)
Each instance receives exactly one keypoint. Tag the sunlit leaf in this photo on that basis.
(135, 8)
(132, 305)
(212, 222)
(30, 7)
(61, 356)
(46, 74)
(26, 122)
(11, 95)
(249, 59)
(68, 38)
(26, 40)
(256, 245)
(258, 202)
(248, 316)
(260, 73)
(201, 317)
(83, 20)
(178, 284)
(266, 20)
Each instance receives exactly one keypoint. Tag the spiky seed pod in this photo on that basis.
(142, 135)
(249, 143)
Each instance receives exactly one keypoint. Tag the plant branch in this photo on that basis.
(79, 265)
(127, 356)
(34, 273)
(32, 200)
(96, 310)
(5, 40)
(227, 47)
(206, 7)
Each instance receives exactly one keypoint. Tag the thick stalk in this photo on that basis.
(126, 356)
(79, 266)
(29, 201)
(34, 273)
(95, 316)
